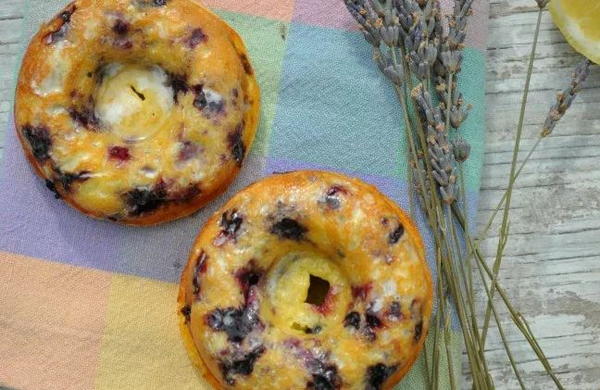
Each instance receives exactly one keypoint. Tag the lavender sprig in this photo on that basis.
(565, 98)
(451, 56)
(421, 42)
(458, 110)
(450, 62)
(440, 149)
(380, 26)
(411, 39)
(557, 111)
(367, 17)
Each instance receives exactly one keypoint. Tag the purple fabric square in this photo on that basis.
(34, 223)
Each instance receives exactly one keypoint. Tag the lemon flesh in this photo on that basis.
(579, 21)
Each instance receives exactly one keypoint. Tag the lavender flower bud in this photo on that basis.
(372, 37)
(542, 3)
(380, 59)
(461, 149)
(431, 53)
(395, 73)
(423, 71)
(439, 69)
(457, 116)
(448, 195)
(451, 60)
(389, 35)
(377, 7)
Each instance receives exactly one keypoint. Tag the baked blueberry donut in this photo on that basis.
(137, 111)
(306, 280)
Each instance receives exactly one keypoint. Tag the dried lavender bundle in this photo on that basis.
(405, 36)
(415, 42)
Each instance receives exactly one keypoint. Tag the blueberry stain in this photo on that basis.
(231, 223)
(124, 44)
(66, 179)
(418, 331)
(396, 234)
(377, 375)
(332, 197)
(373, 321)
(247, 277)
(186, 311)
(237, 323)
(119, 153)
(352, 320)
(178, 83)
(85, 117)
(216, 106)
(314, 330)
(236, 144)
(196, 37)
(121, 27)
(395, 311)
(290, 229)
(50, 185)
(39, 140)
(188, 151)
(324, 375)
(416, 313)
(144, 200)
(243, 365)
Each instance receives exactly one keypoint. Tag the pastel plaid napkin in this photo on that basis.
(87, 304)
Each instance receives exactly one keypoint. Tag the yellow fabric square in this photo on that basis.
(142, 348)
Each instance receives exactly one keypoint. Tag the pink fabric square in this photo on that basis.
(333, 13)
(272, 9)
(52, 319)
(325, 13)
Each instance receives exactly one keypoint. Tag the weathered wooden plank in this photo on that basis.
(551, 268)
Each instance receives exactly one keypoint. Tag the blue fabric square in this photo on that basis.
(335, 108)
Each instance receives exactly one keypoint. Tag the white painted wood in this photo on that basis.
(552, 264)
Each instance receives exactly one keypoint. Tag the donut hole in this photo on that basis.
(307, 293)
(318, 289)
(133, 101)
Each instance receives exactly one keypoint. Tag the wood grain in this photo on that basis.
(11, 20)
(552, 264)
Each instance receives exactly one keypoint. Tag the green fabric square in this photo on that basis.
(265, 40)
(470, 83)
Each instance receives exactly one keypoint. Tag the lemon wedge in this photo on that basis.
(579, 21)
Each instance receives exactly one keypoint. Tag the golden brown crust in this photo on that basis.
(336, 228)
(195, 51)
